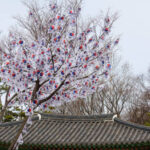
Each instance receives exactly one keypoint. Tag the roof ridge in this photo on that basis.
(63, 117)
(76, 117)
(134, 125)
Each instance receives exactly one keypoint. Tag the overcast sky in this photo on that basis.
(133, 25)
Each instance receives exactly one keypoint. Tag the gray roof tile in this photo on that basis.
(59, 129)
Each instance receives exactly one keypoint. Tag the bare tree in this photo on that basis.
(92, 105)
(113, 98)
(139, 109)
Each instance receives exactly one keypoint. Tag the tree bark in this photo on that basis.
(5, 106)
(3, 113)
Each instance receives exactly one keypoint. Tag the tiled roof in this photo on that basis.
(76, 130)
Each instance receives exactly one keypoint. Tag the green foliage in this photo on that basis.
(8, 118)
(147, 123)
(48, 111)
(22, 115)
(17, 109)
(51, 108)
(12, 114)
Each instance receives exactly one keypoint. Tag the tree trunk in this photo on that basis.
(3, 113)
(13, 144)
(5, 106)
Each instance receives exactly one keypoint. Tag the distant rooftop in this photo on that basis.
(55, 129)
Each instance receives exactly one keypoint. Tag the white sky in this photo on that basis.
(133, 25)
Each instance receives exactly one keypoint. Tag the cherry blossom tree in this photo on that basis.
(63, 61)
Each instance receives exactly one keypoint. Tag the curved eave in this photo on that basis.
(133, 125)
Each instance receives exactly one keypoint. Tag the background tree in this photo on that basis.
(12, 114)
(4, 89)
(92, 105)
(66, 64)
(117, 92)
(5, 113)
(139, 109)
(113, 98)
